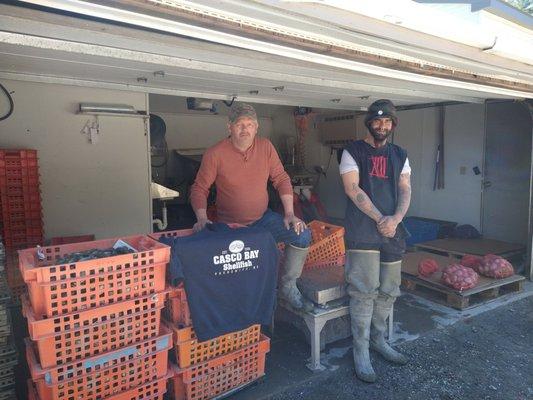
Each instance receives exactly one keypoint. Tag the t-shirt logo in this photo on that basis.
(236, 246)
(379, 167)
(237, 258)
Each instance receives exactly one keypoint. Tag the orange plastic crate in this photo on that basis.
(13, 202)
(178, 233)
(190, 351)
(20, 169)
(328, 242)
(22, 224)
(178, 307)
(23, 242)
(26, 233)
(21, 216)
(222, 374)
(104, 375)
(327, 246)
(22, 184)
(65, 288)
(154, 390)
(12, 155)
(70, 337)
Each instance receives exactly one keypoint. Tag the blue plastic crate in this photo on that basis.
(421, 231)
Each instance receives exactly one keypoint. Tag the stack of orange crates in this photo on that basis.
(20, 204)
(95, 325)
(215, 367)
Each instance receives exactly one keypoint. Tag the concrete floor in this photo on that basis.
(422, 329)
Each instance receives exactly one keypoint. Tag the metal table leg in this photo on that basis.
(315, 325)
(315, 322)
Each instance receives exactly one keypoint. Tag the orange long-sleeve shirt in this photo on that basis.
(241, 180)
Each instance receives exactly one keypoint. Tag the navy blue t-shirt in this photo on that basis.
(230, 277)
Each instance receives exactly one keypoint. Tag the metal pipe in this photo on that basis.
(429, 105)
(162, 223)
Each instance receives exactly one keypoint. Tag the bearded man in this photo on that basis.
(377, 180)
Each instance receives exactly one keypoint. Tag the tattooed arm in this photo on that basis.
(387, 226)
(350, 181)
(404, 196)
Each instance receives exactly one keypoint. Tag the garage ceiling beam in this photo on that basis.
(167, 25)
(16, 20)
(173, 92)
(115, 57)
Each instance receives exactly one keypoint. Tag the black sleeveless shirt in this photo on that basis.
(379, 175)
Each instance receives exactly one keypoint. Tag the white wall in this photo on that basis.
(101, 188)
(460, 200)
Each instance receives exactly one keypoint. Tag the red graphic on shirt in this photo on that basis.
(379, 167)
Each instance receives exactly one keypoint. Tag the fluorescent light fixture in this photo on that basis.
(106, 108)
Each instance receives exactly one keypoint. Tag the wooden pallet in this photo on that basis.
(479, 247)
(432, 289)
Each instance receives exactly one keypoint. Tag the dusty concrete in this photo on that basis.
(482, 353)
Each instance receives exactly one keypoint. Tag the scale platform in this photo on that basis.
(323, 285)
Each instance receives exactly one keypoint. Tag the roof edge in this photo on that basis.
(498, 7)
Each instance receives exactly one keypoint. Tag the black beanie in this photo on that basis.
(381, 109)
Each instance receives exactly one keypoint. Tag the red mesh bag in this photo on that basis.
(496, 267)
(427, 267)
(459, 277)
(471, 261)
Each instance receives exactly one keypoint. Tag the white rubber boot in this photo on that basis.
(292, 269)
(389, 289)
(362, 276)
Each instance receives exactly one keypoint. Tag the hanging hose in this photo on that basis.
(229, 103)
(11, 104)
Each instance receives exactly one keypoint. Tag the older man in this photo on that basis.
(376, 178)
(240, 167)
